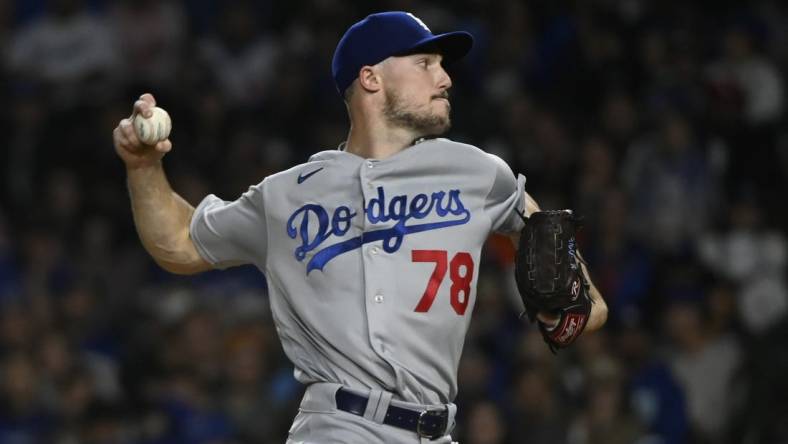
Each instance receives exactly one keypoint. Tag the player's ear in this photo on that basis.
(369, 79)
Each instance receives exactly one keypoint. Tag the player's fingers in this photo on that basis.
(128, 131)
(121, 141)
(126, 127)
(164, 146)
(142, 107)
(148, 97)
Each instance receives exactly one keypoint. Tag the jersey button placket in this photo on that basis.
(375, 278)
(370, 164)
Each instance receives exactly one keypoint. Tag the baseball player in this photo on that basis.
(371, 251)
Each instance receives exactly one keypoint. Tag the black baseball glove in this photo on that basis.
(549, 275)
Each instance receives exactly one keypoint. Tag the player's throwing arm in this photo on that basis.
(161, 216)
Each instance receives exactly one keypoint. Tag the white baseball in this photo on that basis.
(153, 129)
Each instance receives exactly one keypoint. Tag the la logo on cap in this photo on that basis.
(418, 20)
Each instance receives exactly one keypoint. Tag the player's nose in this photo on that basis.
(444, 80)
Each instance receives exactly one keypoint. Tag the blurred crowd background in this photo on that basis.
(662, 122)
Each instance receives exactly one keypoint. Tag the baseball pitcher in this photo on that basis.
(371, 250)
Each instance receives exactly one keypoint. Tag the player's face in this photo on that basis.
(416, 92)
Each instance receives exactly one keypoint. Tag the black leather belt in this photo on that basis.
(429, 424)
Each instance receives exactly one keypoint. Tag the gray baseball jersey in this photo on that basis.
(371, 264)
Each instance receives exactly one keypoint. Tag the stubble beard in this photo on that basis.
(423, 123)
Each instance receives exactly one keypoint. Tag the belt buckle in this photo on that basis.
(438, 413)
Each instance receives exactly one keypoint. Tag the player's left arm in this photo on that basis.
(598, 315)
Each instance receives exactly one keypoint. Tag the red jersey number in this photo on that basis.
(460, 272)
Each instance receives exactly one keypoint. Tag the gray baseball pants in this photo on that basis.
(320, 422)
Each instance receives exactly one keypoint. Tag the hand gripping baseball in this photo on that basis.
(145, 149)
(550, 277)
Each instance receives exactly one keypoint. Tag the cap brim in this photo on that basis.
(451, 45)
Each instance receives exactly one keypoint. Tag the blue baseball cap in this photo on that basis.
(385, 34)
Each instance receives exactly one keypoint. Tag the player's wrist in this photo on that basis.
(548, 320)
(144, 168)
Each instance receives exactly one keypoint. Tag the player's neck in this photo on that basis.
(378, 141)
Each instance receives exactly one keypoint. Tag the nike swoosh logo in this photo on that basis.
(303, 177)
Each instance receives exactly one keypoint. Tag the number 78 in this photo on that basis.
(460, 280)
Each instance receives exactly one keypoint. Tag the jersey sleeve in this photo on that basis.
(231, 233)
(506, 199)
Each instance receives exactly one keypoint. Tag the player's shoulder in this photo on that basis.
(298, 172)
(464, 152)
(449, 144)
